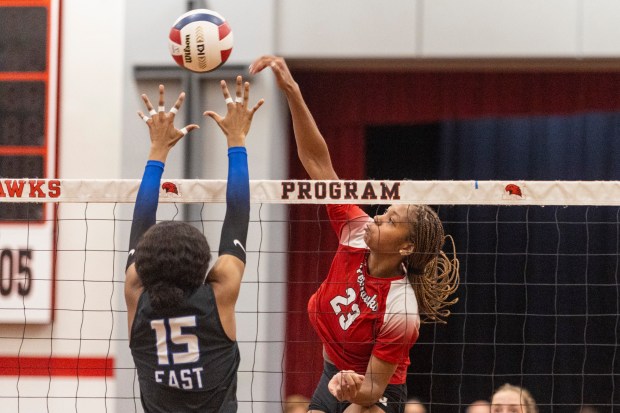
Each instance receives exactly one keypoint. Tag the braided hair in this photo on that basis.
(433, 276)
(172, 259)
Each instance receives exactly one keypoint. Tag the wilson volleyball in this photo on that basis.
(200, 40)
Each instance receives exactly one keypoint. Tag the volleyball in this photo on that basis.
(200, 40)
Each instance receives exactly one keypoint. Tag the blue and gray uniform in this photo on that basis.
(184, 358)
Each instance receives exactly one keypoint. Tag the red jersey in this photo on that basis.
(358, 315)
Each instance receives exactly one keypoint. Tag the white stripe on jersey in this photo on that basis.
(401, 301)
(352, 233)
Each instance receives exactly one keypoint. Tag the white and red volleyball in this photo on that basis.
(201, 40)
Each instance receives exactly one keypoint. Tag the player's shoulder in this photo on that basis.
(401, 298)
(226, 266)
(343, 213)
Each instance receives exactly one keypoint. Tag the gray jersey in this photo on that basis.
(185, 360)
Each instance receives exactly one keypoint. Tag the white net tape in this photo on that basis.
(324, 192)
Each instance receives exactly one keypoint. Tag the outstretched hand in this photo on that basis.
(280, 70)
(236, 123)
(163, 133)
(345, 384)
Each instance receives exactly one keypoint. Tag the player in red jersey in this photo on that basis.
(387, 273)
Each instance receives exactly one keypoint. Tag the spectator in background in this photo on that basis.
(296, 403)
(414, 405)
(479, 406)
(587, 409)
(513, 399)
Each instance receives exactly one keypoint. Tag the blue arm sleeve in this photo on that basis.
(145, 210)
(235, 228)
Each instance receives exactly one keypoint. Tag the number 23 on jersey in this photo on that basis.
(346, 318)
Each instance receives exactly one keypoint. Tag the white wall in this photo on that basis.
(101, 137)
(348, 28)
(449, 28)
(92, 67)
(501, 28)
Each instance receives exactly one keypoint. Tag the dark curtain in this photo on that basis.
(506, 326)
(540, 291)
(583, 146)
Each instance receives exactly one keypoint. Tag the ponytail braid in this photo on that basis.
(432, 274)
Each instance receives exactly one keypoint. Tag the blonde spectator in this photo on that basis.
(296, 403)
(587, 409)
(479, 406)
(414, 405)
(513, 399)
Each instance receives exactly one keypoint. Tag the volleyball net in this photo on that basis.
(539, 301)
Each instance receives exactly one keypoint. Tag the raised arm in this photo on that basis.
(311, 146)
(225, 276)
(163, 136)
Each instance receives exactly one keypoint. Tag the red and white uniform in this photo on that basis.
(358, 315)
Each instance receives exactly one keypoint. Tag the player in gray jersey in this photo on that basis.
(181, 320)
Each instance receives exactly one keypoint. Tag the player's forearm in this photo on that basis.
(311, 146)
(235, 227)
(145, 209)
(370, 392)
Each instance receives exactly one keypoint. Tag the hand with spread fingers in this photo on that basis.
(164, 135)
(236, 123)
